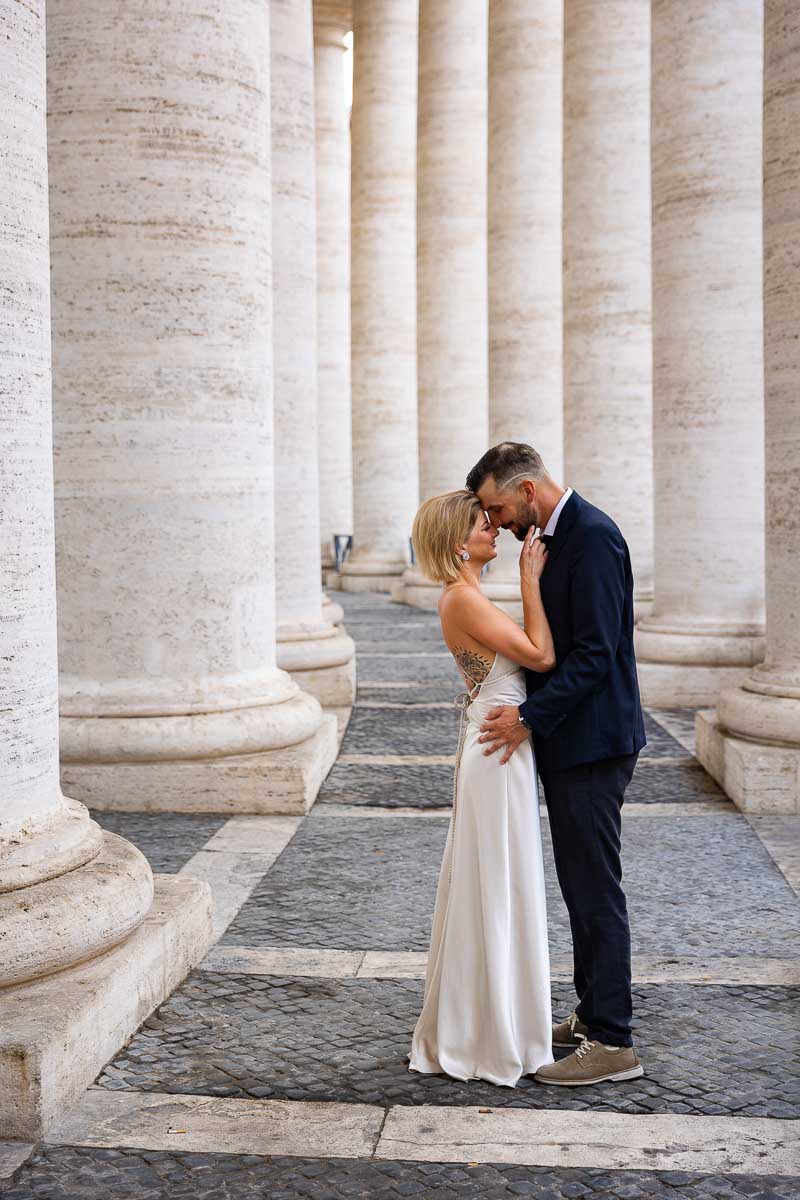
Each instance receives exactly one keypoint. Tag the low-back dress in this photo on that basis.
(487, 1010)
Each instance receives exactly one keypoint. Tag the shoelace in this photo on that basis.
(584, 1048)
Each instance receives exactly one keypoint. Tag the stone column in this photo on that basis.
(752, 745)
(332, 21)
(160, 211)
(706, 626)
(524, 230)
(383, 259)
(451, 254)
(318, 655)
(608, 449)
(69, 892)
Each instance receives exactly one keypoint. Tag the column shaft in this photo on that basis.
(707, 355)
(332, 20)
(160, 209)
(451, 254)
(752, 746)
(526, 42)
(385, 476)
(608, 453)
(317, 654)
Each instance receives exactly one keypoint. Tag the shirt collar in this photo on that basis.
(550, 527)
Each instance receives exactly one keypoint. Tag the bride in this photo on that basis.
(486, 1012)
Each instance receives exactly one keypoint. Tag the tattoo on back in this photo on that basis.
(473, 665)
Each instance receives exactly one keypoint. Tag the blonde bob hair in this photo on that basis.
(442, 523)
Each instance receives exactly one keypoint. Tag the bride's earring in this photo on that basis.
(465, 555)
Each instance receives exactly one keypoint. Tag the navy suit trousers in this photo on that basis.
(584, 804)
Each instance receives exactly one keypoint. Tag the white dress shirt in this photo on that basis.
(550, 527)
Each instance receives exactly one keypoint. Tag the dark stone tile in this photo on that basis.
(389, 787)
(695, 884)
(402, 731)
(167, 840)
(708, 1050)
(78, 1173)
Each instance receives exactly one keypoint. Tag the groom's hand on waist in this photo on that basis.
(502, 730)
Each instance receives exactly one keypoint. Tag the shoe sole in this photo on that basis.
(615, 1077)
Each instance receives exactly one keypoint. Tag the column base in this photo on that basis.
(58, 1032)
(669, 685)
(366, 576)
(332, 612)
(322, 664)
(283, 780)
(759, 778)
(415, 590)
(684, 664)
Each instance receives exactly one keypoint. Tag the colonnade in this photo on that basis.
(621, 261)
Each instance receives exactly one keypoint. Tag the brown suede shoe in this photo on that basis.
(570, 1032)
(592, 1063)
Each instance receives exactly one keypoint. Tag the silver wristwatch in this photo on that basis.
(524, 723)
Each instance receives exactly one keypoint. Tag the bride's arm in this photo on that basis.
(531, 647)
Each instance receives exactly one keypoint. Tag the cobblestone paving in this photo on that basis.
(708, 1050)
(168, 840)
(701, 883)
(70, 1173)
(697, 885)
(377, 786)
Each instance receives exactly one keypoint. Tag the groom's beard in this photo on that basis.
(525, 519)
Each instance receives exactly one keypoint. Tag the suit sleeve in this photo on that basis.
(596, 599)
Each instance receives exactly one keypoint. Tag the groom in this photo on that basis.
(587, 727)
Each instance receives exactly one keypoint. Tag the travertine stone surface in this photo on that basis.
(607, 330)
(58, 1032)
(332, 20)
(383, 257)
(524, 215)
(525, 245)
(706, 625)
(161, 274)
(451, 242)
(758, 724)
(451, 254)
(66, 894)
(305, 639)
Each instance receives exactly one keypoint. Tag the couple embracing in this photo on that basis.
(558, 696)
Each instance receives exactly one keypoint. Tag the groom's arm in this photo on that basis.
(596, 599)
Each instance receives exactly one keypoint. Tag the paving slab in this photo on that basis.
(695, 884)
(707, 1050)
(167, 840)
(84, 1173)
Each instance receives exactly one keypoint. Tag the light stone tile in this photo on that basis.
(232, 876)
(393, 964)
(396, 760)
(375, 812)
(211, 1124)
(405, 654)
(678, 726)
(13, 1155)
(605, 1140)
(284, 960)
(780, 836)
(691, 809)
(266, 836)
(653, 761)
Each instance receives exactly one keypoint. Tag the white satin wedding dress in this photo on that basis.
(486, 1012)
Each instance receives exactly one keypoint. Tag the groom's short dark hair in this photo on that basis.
(504, 461)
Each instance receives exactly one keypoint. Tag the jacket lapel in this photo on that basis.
(567, 518)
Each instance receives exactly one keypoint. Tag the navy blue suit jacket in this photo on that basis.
(587, 708)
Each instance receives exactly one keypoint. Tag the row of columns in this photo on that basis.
(622, 332)
(160, 567)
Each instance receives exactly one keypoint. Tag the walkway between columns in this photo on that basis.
(278, 1068)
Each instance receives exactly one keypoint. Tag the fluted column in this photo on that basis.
(384, 122)
(318, 655)
(526, 45)
(68, 891)
(332, 21)
(160, 210)
(706, 626)
(752, 745)
(451, 254)
(608, 448)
